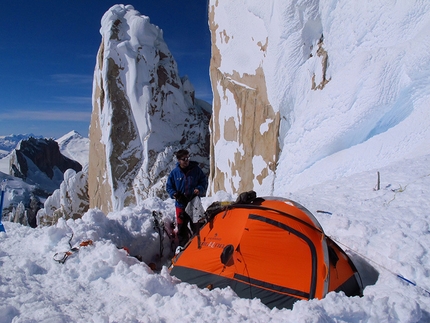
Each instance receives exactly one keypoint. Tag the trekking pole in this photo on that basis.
(3, 188)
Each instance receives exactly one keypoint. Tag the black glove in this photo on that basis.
(181, 198)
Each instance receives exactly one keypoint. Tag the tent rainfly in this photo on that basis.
(269, 248)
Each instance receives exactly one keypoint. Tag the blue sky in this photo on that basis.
(48, 51)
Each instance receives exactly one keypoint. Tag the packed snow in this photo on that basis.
(385, 231)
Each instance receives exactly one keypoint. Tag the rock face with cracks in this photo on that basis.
(39, 162)
(244, 120)
(142, 113)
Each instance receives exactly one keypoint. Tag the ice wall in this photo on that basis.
(340, 87)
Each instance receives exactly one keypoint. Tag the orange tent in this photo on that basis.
(270, 248)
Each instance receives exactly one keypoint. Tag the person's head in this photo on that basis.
(183, 157)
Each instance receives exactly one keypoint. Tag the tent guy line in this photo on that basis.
(409, 281)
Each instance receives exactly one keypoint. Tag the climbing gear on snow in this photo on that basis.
(61, 257)
(160, 227)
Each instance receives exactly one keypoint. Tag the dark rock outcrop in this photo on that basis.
(39, 162)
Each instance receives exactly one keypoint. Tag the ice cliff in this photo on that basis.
(307, 90)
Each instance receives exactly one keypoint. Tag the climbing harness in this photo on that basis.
(61, 257)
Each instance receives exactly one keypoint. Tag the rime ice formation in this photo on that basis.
(69, 201)
(142, 113)
(305, 91)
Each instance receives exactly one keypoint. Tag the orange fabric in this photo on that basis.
(342, 271)
(213, 238)
(86, 243)
(275, 256)
(268, 246)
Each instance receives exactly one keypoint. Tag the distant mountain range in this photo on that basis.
(8, 143)
(37, 169)
(72, 145)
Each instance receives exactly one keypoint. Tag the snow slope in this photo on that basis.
(74, 146)
(374, 109)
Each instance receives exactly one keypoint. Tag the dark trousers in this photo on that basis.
(182, 220)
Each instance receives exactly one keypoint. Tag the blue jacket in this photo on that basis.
(186, 181)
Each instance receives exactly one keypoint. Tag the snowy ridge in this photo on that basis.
(69, 200)
(76, 147)
(8, 143)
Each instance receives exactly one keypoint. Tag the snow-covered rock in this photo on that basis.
(142, 113)
(25, 195)
(69, 201)
(75, 147)
(311, 85)
(8, 143)
(39, 162)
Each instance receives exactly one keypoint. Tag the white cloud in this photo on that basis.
(47, 115)
(72, 78)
